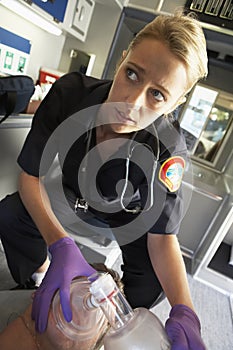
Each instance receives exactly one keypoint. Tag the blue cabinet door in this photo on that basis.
(55, 8)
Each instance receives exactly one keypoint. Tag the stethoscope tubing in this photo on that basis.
(137, 209)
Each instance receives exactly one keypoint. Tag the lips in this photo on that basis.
(123, 118)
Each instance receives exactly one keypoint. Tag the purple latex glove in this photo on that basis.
(67, 262)
(183, 329)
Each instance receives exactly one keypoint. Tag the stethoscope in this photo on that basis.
(82, 204)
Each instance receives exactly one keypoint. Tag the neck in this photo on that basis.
(104, 132)
(107, 149)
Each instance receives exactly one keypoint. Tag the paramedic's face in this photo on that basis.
(149, 82)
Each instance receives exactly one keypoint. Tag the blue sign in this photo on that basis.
(13, 40)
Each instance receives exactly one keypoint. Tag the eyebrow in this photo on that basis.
(142, 70)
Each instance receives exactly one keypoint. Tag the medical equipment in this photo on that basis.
(96, 300)
(87, 323)
(82, 203)
(137, 329)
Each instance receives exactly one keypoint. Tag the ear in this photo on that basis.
(123, 55)
(182, 100)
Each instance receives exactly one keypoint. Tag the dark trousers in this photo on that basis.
(26, 251)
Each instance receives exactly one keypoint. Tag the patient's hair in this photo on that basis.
(100, 267)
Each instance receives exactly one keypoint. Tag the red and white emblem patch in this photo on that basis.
(171, 173)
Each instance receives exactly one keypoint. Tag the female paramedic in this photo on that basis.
(122, 157)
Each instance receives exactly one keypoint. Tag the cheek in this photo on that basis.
(59, 342)
(167, 108)
(114, 94)
(56, 338)
(118, 89)
(148, 116)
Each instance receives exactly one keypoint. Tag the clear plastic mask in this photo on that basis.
(86, 323)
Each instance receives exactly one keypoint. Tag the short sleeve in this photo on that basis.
(68, 95)
(168, 209)
(45, 121)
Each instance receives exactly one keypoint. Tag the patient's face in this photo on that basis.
(82, 333)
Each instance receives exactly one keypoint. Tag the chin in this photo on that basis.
(123, 129)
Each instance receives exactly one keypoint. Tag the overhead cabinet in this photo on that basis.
(73, 16)
(78, 17)
(56, 9)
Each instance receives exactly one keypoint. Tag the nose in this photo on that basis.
(136, 99)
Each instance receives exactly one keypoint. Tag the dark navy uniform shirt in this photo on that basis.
(63, 125)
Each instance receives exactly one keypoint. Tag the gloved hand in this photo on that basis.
(183, 329)
(67, 262)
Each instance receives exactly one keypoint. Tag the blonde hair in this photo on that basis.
(184, 36)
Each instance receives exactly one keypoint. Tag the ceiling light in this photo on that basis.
(25, 12)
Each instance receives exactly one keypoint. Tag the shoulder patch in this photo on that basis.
(171, 173)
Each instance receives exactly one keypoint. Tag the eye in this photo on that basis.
(131, 74)
(157, 95)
